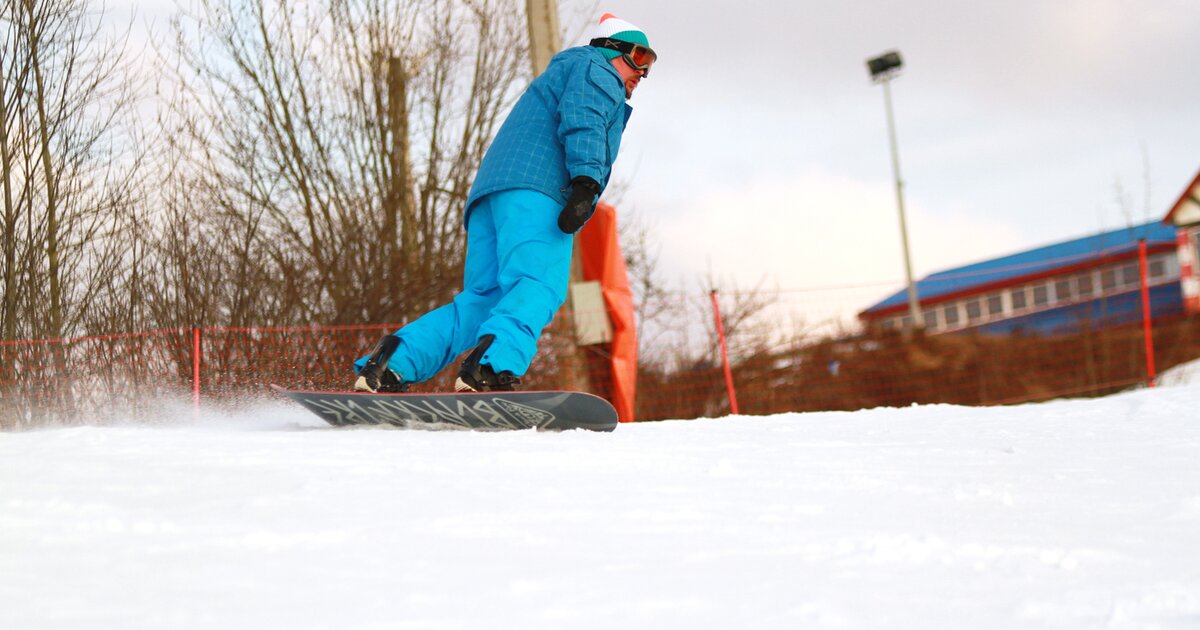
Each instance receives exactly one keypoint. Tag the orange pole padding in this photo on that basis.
(733, 406)
(1147, 327)
(600, 251)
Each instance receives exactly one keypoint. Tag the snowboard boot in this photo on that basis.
(474, 376)
(375, 376)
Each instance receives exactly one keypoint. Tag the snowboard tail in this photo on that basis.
(542, 410)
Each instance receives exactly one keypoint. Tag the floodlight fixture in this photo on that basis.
(885, 66)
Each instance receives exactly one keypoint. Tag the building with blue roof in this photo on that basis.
(1185, 216)
(1092, 281)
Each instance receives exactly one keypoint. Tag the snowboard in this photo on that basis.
(541, 410)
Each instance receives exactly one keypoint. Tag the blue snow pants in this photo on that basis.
(514, 281)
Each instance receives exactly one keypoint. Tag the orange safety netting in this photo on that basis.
(124, 377)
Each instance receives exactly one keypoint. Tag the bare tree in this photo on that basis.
(655, 303)
(14, 69)
(743, 317)
(67, 164)
(321, 153)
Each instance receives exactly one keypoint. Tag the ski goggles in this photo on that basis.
(639, 56)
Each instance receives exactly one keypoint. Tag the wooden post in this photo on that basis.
(544, 39)
(545, 42)
(400, 206)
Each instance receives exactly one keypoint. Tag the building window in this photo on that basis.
(1083, 284)
(1108, 279)
(995, 305)
(1158, 267)
(974, 311)
(1062, 290)
(1194, 235)
(931, 319)
(1041, 295)
(1130, 277)
(1019, 299)
(951, 315)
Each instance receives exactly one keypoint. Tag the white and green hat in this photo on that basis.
(613, 28)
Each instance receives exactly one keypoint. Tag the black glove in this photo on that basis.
(580, 205)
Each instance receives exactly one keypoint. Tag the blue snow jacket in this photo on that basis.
(567, 123)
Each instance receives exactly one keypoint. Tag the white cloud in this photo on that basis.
(820, 230)
(823, 246)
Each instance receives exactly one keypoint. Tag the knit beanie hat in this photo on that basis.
(614, 27)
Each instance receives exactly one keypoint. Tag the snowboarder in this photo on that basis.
(537, 185)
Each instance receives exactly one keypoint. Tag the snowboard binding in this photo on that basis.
(475, 376)
(375, 376)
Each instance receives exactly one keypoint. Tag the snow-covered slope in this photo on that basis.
(1185, 374)
(1070, 514)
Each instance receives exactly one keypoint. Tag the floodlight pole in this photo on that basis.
(883, 73)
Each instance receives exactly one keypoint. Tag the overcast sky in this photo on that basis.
(759, 144)
(758, 147)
